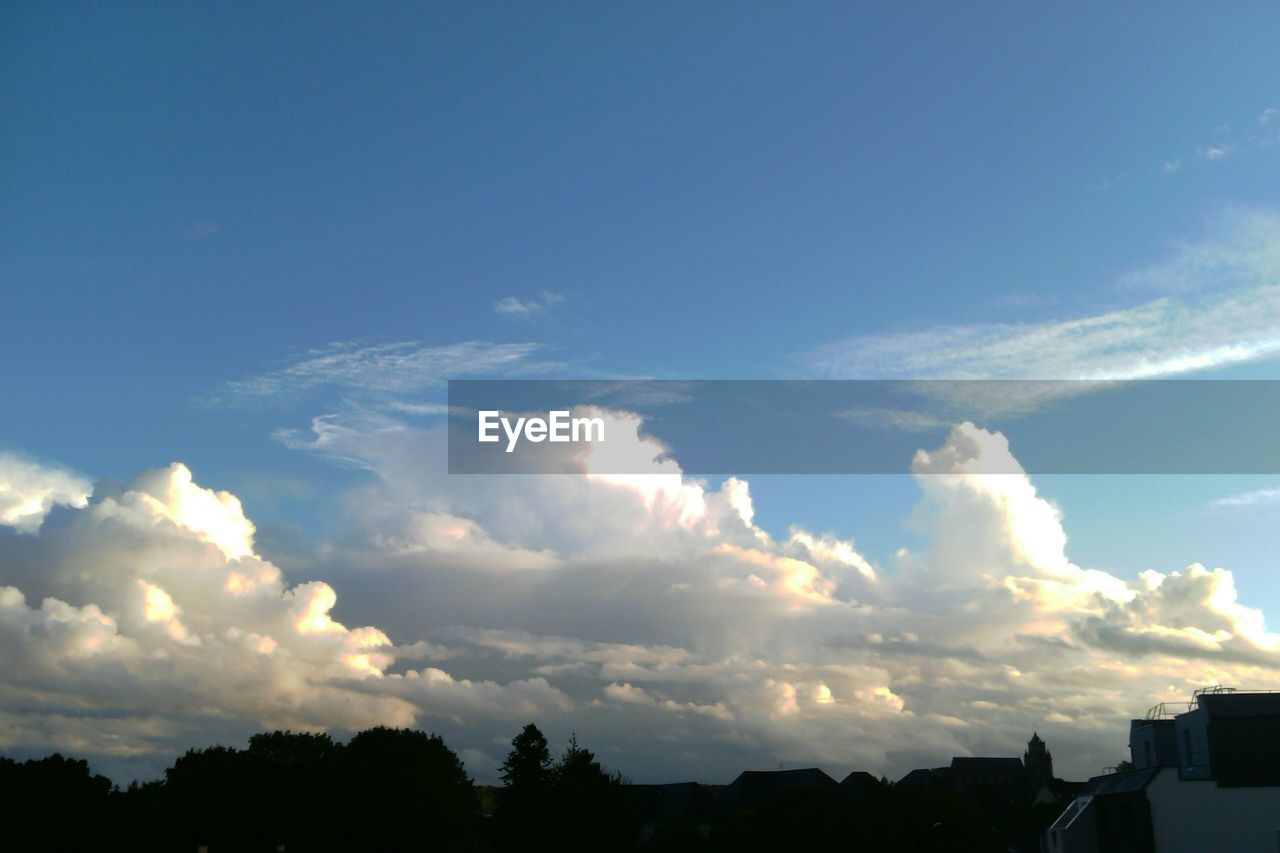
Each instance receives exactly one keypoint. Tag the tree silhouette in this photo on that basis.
(591, 810)
(387, 790)
(523, 820)
(411, 791)
(52, 803)
(213, 799)
(529, 762)
(299, 774)
(398, 790)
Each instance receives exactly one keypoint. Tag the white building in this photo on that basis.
(1206, 778)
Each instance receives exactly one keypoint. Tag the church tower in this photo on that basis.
(1038, 761)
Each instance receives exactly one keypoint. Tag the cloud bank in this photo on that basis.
(142, 620)
(639, 610)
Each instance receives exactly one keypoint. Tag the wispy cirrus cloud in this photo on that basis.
(1244, 252)
(1214, 152)
(385, 369)
(1160, 338)
(1228, 141)
(907, 420)
(1220, 305)
(1223, 142)
(512, 306)
(1269, 497)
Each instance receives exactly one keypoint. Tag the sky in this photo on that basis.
(243, 247)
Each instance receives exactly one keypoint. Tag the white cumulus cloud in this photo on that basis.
(29, 490)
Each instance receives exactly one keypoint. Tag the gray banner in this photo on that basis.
(860, 426)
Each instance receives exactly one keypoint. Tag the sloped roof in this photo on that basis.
(925, 777)
(663, 802)
(756, 787)
(1120, 783)
(858, 782)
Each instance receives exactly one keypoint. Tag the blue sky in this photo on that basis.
(199, 194)
(222, 221)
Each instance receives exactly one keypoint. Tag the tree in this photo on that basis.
(578, 768)
(293, 748)
(299, 775)
(52, 803)
(411, 791)
(529, 762)
(590, 808)
(388, 790)
(523, 819)
(211, 798)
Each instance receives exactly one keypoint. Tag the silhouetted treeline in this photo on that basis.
(573, 804)
(52, 803)
(403, 790)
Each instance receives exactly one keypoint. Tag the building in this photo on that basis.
(1028, 779)
(693, 806)
(1206, 776)
(1006, 777)
(1039, 761)
(755, 789)
(858, 784)
(691, 803)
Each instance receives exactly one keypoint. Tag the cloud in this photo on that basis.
(547, 521)
(1214, 152)
(461, 699)
(989, 523)
(203, 230)
(643, 610)
(1221, 306)
(146, 614)
(514, 643)
(1160, 338)
(668, 614)
(1241, 252)
(1224, 146)
(464, 541)
(907, 420)
(29, 490)
(1195, 612)
(214, 517)
(1254, 498)
(511, 306)
(386, 369)
(626, 694)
